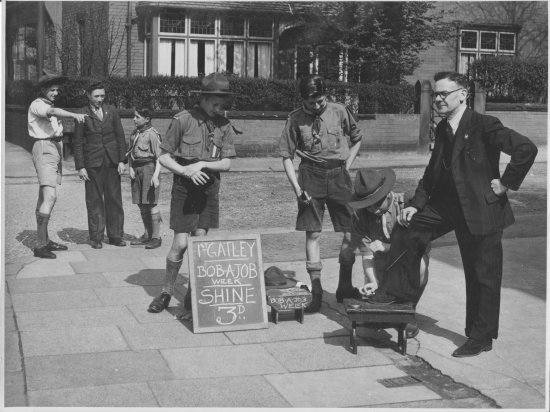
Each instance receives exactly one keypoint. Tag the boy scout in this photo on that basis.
(197, 147)
(316, 132)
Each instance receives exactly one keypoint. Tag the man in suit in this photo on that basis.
(461, 190)
(99, 153)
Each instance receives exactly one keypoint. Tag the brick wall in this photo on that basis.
(259, 138)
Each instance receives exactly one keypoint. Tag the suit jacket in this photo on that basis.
(479, 140)
(94, 137)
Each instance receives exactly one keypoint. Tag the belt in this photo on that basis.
(53, 139)
(328, 164)
(142, 162)
(185, 162)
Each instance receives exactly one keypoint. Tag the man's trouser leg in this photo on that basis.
(94, 201)
(114, 213)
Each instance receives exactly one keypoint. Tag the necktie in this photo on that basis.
(448, 147)
(99, 113)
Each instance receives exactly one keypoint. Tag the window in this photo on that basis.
(203, 24)
(232, 26)
(260, 27)
(172, 22)
(231, 57)
(171, 57)
(201, 57)
(24, 54)
(259, 60)
(478, 44)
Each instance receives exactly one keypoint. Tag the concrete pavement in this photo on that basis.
(77, 333)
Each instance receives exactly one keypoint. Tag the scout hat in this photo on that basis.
(275, 279)
(371, 186)
(48, 78)
(214, 83)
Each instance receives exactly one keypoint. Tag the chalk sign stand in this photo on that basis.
(227, 283)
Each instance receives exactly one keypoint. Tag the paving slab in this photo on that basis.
(173, 334)
(74, 317)
(158, 262)
(322, 354)
(14, 389)
(240, 360)
(57, 283)
(46, 268)
(166, 316)
(352, 387)
(127, 295)
(115, 253)
(9, 320)
(11, 269)
(12, 356)
(315, 326)
(72, 340)
(121, 395)
(226, 392)
(72, 299)
(7, 300)
(91, 369)
(468, 403)
(108, 264)
(70, 256)
(518, 396)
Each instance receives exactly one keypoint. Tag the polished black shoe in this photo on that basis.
(154, 243)
(96, 244)
(473, 347)
(351, 293)
(411, 330)
(53, 246)
(144, 240)
(44, 253)
(315, 305)
(381, 299)
(187, 299)
(116, 241)
(159, 303)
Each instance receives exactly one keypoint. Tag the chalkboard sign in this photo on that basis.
(227, 283)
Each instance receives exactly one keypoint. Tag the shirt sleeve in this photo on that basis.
(350, 127)
(39, 109)
(154, 142)
(171, 141)
(287, 141)
(228, 148)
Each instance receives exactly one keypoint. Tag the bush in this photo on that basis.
(512, 79)
(175, 93)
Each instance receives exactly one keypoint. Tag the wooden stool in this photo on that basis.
(288, 300)
(395, 315)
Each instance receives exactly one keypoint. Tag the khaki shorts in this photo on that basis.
(46, 156)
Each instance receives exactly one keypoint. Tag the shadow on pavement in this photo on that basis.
(429, 325)
(27, 238)
(74, 235)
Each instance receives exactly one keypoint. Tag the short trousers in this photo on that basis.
(143, 191)
(195, 207)
(46, 157)
(330, 187)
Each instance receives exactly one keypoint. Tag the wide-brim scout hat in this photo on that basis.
(48, 78)
(216, 84)
(275, 279)
(371, 186)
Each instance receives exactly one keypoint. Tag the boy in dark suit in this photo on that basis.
(461, 190)
(99, 154)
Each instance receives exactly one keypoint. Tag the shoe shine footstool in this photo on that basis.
(288, 300)
(395, 315)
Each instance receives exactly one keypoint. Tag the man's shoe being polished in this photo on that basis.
(96, 244)
(381, 298)
(473, 347)
(53, 246)
(154, 243)
(44, 253)
(116, 241)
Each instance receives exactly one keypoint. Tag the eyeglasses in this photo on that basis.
(444, 95)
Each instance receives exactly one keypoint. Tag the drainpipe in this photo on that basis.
(129, 40)
(40, 39)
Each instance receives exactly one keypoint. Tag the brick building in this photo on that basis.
(249, 39)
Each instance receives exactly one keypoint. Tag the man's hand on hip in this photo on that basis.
(498, 188)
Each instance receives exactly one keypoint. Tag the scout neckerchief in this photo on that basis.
(316, 125)
(210, 126)
(137, 132)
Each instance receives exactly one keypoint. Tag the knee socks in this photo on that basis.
(146, 218)
(42, 220)
(155, 225)
(172, 269)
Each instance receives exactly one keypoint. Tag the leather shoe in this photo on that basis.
(44, 253)
(411, 330)
(352, 293)
(116, 241)
(159, 303)
(381, 299)
(96, 244)
(141, 241)
(53, 246)
(154, 243)
(473, 347)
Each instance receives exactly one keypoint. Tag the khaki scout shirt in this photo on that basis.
(40, 125)
(188, 136)
(145, 144)
(337, 122)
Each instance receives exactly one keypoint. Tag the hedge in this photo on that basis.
(253, 94)
(512, 79)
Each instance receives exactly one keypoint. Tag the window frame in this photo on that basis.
(254, 38)
(480, 49)
(515, 42)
